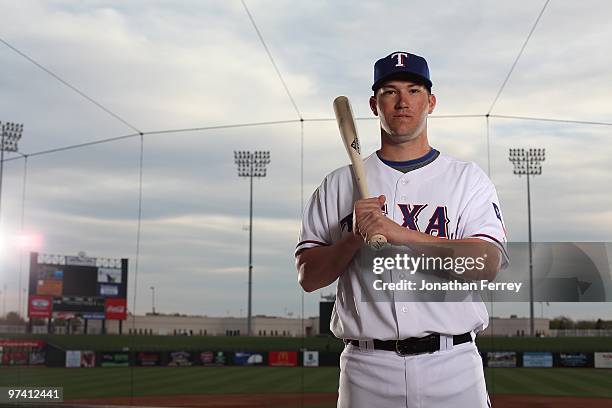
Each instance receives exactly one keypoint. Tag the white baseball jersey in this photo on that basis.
(445, 198)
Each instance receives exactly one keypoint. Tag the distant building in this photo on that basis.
(498, 326)
(175, 325)
(170, 325)
(516, 326)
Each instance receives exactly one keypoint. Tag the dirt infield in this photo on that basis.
(323, 400)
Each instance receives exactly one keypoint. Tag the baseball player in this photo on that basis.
(403, 353)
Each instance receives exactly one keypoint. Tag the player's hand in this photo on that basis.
(369, 220)
(364, 208)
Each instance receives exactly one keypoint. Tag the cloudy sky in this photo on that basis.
(172, 65)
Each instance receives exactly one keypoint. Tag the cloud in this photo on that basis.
(163, 65)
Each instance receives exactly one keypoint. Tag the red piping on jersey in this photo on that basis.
(312, 242)
(501, 246)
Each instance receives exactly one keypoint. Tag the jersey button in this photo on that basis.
(404, 182)
(405, 309)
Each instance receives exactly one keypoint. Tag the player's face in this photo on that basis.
(403, 107)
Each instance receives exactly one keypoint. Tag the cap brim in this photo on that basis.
(416, 78)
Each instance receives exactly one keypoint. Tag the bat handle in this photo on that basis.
(377, 242)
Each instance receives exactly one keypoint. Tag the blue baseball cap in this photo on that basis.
(401, 64)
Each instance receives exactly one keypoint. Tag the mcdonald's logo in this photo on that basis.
(282, 358)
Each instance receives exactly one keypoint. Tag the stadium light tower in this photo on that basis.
(528, 162)
(11, 133)
(251, 164)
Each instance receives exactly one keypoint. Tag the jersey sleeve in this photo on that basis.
(315, 229)
(482, 217)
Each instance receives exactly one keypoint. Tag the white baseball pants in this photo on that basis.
(449, 378)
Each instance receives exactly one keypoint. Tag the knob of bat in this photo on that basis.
(377, 242)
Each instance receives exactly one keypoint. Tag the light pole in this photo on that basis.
(4, 292)
(23, 311)
(528, 162)
(153, 299)
(251, 164)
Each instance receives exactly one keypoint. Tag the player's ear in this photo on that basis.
(432, 102)
(373, 105)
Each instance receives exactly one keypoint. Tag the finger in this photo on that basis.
(374, 203)
(371, 223)
(370, 206)
(361, 216)
(364, 224)
(372, 200)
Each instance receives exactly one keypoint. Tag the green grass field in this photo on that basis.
(106, 382)
(173, 343)
(577, 382)
(145, 381)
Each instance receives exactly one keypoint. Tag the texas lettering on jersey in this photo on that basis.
(436, 226)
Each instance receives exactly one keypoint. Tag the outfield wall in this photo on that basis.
(25, 352)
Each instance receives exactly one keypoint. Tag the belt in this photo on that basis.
(414, 345)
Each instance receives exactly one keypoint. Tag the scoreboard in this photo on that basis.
(63, 285)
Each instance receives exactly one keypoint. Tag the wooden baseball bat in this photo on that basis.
(348, 131)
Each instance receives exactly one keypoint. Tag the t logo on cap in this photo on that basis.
(399, 56)
(404, 64)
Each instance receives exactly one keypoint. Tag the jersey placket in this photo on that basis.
(402, 309)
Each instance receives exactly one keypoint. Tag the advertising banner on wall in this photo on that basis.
(73, 358)
(114, 360)
(15, 357)
(147, 359)
(18, 343)
(501, 359)
(210, 358)
(247, 358)
(179, 359)
(88, 359)
(115, 309)
(40, 306)
(603, 360)
(21, 352)
(282, 358)
(311, 358)
(537, 359)
(37, 358)
(573, 360)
